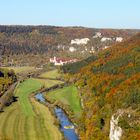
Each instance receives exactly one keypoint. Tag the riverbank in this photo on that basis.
(27, 118)
(65, 125)
(30, 113)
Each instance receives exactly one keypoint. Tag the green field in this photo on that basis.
(49, 83)
(23, 91)
(27, 119)
(51, 74)
(21, 69)
(67, 96)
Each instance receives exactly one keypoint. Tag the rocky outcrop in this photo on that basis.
(115, 130)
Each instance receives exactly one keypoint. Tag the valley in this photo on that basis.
(56, 92)
(27, 117)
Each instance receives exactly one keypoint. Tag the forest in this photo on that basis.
(7, 77)
(43, 39)
(109, 83)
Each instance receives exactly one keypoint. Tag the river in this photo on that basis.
(67, 127)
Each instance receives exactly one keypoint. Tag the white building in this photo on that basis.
(104, 39)
(53, 60)
(60, 61)
(82, 41)
(119, 39)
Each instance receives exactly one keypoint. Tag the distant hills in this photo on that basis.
(16, 41)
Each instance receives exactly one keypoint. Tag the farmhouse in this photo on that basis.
(61, 61)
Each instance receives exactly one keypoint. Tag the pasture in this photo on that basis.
(28, 119)
(67, 96)
(49, 83)
(21, 69)
(51, 74)
(23, 91)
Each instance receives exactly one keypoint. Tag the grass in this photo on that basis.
(16, 126)
(51, 74)
(49, 83)
(27, 119)
(67, 96)
(23, 91)
(21, 69)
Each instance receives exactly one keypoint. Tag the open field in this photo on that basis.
(50, 74)
(28, 119)
(21, 69)
(49, 83)
(23, 91)
(67, 96)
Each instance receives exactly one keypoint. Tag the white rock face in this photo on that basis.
(82, 41)
(72, 49)
(97, 35)
(106, 39)
(119, 39)
(115, 130)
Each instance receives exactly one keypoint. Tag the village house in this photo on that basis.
(61, 61)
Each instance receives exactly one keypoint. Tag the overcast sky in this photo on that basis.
(89, 13)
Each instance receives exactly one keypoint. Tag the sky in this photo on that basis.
(88, 13)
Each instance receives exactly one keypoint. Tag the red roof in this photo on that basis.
(63, 59)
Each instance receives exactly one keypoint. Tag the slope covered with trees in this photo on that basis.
(7, 77)
(40, 39)
(108, 84)
(25, 43)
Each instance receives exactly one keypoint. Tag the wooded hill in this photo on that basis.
(109, 83)
(7, 78)
(38, 40)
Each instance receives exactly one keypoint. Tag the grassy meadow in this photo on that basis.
(23, 91)
(67, 96)
(27, 119)
(21, 69)
(49, 83)
(51, 74)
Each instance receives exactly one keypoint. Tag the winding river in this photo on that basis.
(67, 127)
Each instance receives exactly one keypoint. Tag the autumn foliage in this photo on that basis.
(108, 83)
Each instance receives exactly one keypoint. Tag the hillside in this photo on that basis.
(7, 77)
(110, 91)
(33, 45)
